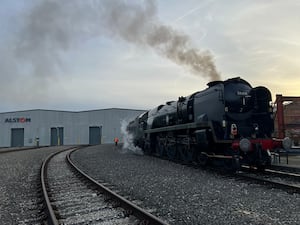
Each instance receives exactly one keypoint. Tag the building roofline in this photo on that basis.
(66, 111)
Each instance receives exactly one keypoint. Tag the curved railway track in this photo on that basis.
(279, 178)
(72, 197)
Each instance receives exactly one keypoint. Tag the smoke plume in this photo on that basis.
(53, 27)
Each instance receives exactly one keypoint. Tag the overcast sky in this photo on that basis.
(94, 54)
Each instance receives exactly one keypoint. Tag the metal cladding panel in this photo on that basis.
(111, 121)
(38, 124)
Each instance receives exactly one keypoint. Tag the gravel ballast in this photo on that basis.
(20, 194)
(181, 194)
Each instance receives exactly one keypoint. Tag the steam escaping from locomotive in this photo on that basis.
(128, 145)
(53, 27)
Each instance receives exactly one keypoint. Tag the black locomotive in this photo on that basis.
(229, 123)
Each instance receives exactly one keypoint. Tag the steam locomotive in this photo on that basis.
(228, 124)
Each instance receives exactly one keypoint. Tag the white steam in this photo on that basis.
(128, 145)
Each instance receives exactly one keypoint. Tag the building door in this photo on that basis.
(57, 136)
(95, 134)
(17, 137)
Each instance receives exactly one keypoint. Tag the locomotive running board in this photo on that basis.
(179, 127)
(202, 125)
(220, 156)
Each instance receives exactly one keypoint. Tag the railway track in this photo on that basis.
(72, 197)
(16, 149)
(282, 179)
(285, 169)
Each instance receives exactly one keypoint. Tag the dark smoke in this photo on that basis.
(175, 46)
(54, 26)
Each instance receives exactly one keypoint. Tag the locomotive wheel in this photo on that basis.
(261, 168)
(232, 165)
(171, 152)
(185, 153)
(202, 159)
(147, 149)
(160, 150)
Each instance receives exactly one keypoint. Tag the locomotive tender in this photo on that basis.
(229, 124)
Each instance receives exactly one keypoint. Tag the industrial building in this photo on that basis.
(287, 119)
(50, 127)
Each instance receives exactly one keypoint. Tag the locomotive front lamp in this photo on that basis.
(234, 129)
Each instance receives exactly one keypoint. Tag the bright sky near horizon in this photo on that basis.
(94, 54)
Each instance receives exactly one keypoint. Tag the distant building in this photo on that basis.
(291, 118)
(50, 127)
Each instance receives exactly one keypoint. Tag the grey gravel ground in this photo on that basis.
(20, 202)
(184, 195)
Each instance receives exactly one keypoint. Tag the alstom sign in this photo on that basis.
(18, 120)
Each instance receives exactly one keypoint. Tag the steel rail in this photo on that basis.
(136, 210)
(51, 217)
(277, 172)
(282, 173)
(281, 185)
(11, 150)
(285, 168)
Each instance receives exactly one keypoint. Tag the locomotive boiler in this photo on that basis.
(229, 123)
